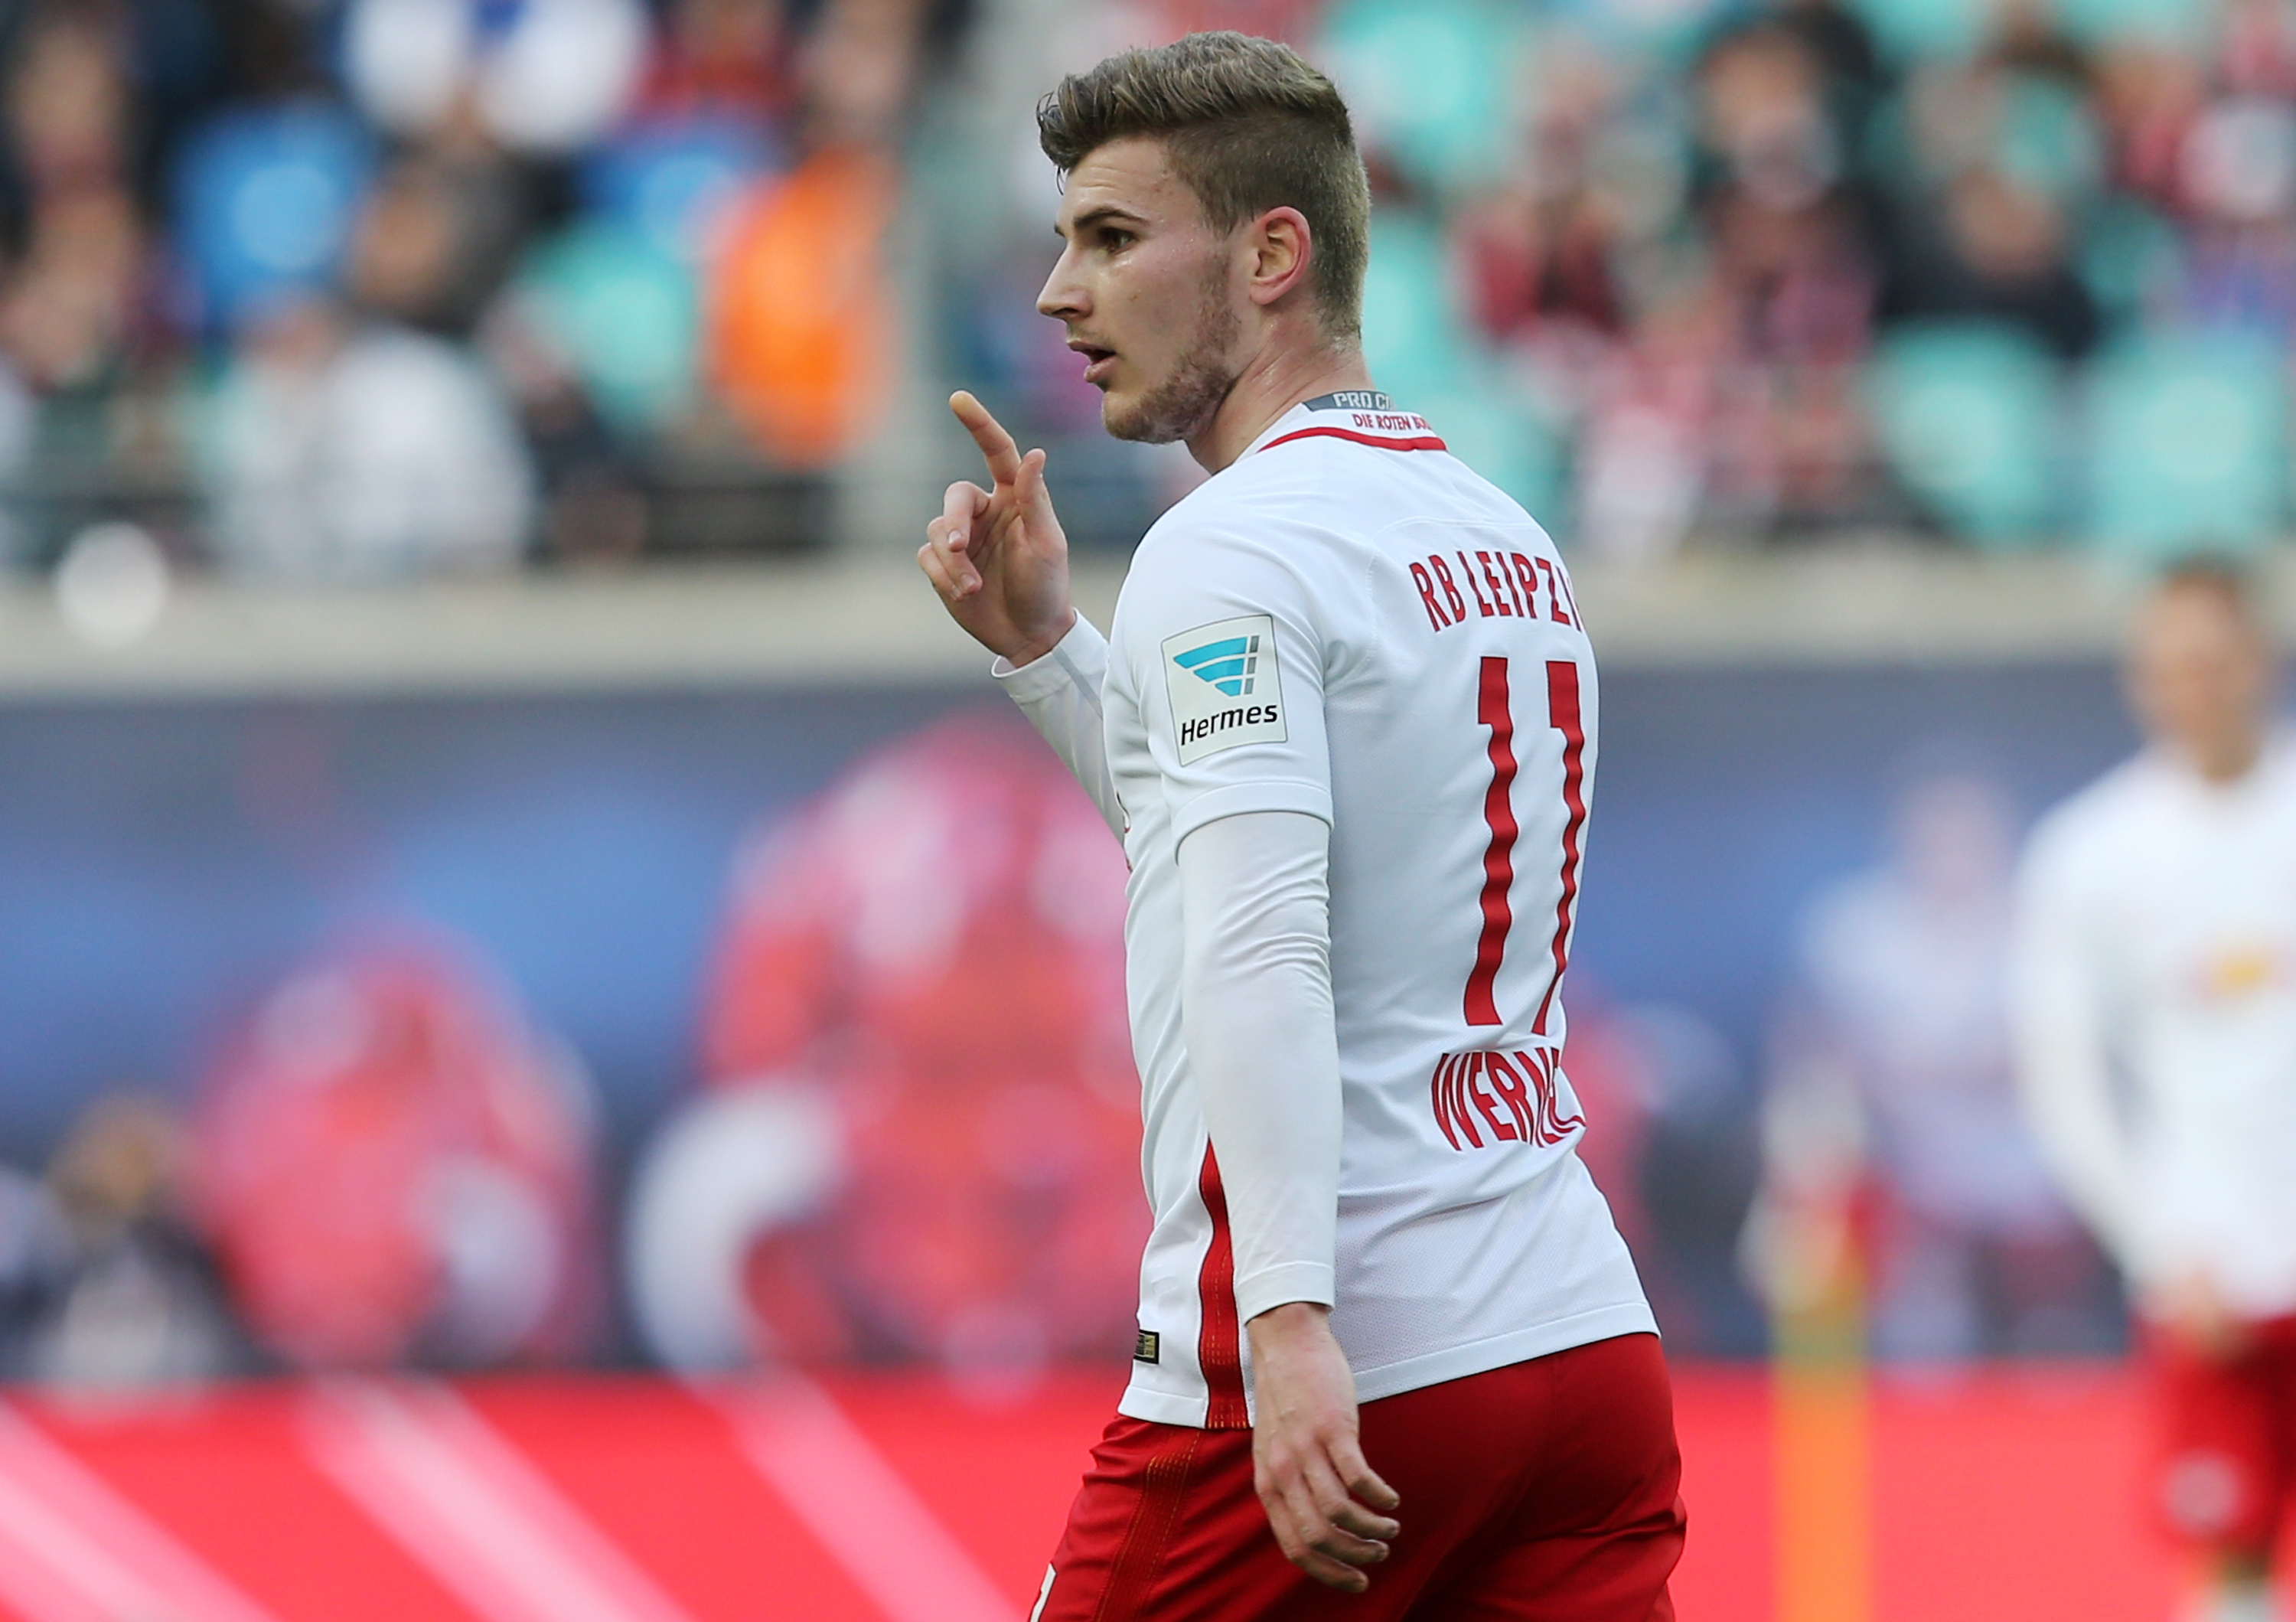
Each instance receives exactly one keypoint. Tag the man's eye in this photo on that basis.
(1116, 241)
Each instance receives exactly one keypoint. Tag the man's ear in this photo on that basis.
(1282, 248)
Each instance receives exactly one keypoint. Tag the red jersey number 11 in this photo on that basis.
(1494, 709)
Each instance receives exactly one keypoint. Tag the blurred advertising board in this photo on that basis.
(866, 938)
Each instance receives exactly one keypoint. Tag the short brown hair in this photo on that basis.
(2214, 574)
(1248, 126)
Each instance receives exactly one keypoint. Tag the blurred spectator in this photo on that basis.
(1893, 1091)
(1837, 39)
(77, 306)
(1541, 247)
(1998, 156)
(543, 76)
(858, 67)
(1995, 249)
(592, 505)
(723, 56)
(103, 1280)
(347, 452)
(921, 1139)
(2149, 93)
(2239, 174)
(136, 1297)
(1765, 122)
(395, 1165)
(434, 241)
(798, 297)
(1794, 263)
(798, 306)
(345, 443)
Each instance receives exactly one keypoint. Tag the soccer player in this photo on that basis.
(1344, 723)
(2156, 1011)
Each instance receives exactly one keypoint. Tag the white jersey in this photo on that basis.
(2156, 1011)
(1349, 623)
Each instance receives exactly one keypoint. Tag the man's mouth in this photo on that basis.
(1097, 360)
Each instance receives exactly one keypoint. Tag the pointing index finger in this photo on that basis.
(996, 447)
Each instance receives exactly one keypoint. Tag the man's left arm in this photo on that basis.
(1256, 1000)
(1060, 692)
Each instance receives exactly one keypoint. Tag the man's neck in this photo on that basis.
(1278, 378)
(2221, 762)
(2227, 761)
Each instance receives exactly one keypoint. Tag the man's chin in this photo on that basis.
(1137, 421)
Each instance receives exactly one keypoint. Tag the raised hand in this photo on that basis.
(997, 556)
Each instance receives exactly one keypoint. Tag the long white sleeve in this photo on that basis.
(2060, 1000)
(1060, 694)
(1256, 1009)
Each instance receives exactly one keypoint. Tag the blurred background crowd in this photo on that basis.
(357, 291)
(362, 289)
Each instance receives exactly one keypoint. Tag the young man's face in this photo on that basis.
(2200, 677)
(1145, 287)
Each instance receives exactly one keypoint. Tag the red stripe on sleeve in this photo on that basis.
(1218, 1352)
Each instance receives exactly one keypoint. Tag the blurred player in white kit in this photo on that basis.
(2155, 1000)
(1344, 724)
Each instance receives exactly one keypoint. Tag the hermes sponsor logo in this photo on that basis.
(1224, 687)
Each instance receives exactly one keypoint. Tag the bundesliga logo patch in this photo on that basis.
(1223, 685)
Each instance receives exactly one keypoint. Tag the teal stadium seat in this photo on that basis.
(1970, 415)
(1420, 348)
(2047, 138)
(1907, 29)
(2188, 24)
(2130, 256)
(1415, 337)
(2187, 445)
(625, 314)
(1508, 440)
(1432, 83)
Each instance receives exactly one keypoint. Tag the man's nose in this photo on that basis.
(1062, 296)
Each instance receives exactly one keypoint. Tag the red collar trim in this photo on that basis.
(1425, 442)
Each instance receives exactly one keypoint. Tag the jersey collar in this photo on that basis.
(1365, 416)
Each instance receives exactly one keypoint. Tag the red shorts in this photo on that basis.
(1545, 1489)
(2227, 1467)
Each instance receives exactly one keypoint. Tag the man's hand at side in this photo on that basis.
(1328, 1509)
(997, 557)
